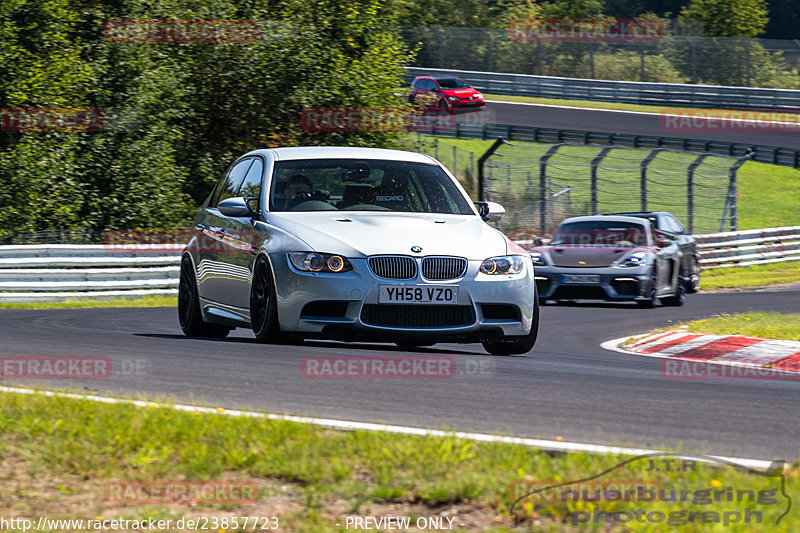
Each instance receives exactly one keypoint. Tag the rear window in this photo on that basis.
(600, 233)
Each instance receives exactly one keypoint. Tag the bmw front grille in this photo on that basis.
(439, 268)
(393, 266)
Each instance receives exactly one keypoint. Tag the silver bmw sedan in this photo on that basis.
(356, 244)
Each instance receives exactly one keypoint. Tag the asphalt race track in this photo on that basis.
(571, 118)
(567, 387)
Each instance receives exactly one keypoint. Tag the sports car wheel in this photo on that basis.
(520, 344)
(652, 292)
(264, 306)
(693, 283)
(189, 315)
(679, 296)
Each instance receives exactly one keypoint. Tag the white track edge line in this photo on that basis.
(550, 445)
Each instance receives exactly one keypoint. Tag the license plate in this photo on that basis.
(581, 278)
(415, 294)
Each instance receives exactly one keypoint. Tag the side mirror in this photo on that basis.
(663, 242)
(490, 211)
(234, 207)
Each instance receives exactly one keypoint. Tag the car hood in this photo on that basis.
(355, 234)
(587, 256)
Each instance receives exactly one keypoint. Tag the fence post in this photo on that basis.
(455, 160)
(595, 164)
(440, 42)
(694, 62)
(538, 57)
(488, 50)
(643, 168)
(690, 189)
(482, 160)
(641, 63)
(747, 63)
(472, 167)
(543, 185)
(436, 148)
(591, 58)
(734, 192)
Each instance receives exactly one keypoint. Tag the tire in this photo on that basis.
(443, 105)
(679, 297)
(693, 283)
(264, 306)
(518, 345)
(189, 315)
(652, 292)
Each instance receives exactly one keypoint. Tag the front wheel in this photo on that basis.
(652, 292)
(189, 315)
(517, 345)
(693, 283)
(678, 298)
(264, 306)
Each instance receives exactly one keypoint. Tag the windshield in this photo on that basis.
(368, 185)
(452, 83)
(600, 233)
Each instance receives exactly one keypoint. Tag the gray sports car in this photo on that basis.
(354, 244)
(610, 258)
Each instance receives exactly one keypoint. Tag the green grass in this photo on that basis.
(143, 301)
(74, 447)
(752, 276)
(768, 194)
(765, 325)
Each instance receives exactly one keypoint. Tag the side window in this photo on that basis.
(677, 225)
(229, 187)
(251, 186)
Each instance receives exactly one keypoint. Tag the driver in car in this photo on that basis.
(298, 189)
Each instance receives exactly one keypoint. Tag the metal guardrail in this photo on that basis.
(751, 247)
(774, 155)
(55, 272)
(629, 92)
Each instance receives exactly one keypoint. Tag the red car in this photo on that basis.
(445, 93)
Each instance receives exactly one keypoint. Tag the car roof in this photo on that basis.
(341, 152)
(613, 218)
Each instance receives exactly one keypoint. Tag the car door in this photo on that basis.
(241, 242)
(212, 268)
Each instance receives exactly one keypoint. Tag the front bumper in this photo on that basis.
(613, 283)
(352, 297)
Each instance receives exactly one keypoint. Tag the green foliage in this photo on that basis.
(728, 18)
(175, 114)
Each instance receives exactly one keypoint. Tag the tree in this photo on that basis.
(728, 18)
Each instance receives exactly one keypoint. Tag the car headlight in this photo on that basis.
(634, 259)
(316, 262)
(538, 259)
(507, 264)
(453, 98)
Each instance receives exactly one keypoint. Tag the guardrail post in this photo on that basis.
(643, 185)
(690, 189)
(543, 185)
(482, 160)
(595, 164)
